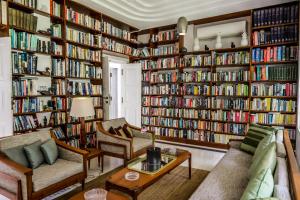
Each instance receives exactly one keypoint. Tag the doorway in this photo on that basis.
(115, 88)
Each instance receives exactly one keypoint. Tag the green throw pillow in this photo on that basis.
(262, 145)
(267, 160)
(260, 186)
(17, 154)
(255, 134)
(34, 154)
(50, 151)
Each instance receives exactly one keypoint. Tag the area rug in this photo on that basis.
(174, 185)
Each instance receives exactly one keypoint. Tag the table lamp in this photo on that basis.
(82, 107)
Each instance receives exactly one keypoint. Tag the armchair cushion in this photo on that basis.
(127, 130)
(17, 154)
(120, 132)
(34, 154)
(50, 151)
(46, 175)
(140, 143)
(112, 131)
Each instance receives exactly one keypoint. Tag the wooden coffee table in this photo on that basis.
(134, 188)
(110, 196)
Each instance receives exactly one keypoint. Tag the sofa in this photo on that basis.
(37, 183)
(121, 146)
(230, 177)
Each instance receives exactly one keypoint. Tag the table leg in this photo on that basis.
(190, 167)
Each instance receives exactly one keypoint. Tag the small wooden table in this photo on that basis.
(134, 188)
(93, 153)
(110, 196)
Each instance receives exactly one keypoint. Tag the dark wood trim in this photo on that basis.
(16, 166)
(12, 180)
(71, 148)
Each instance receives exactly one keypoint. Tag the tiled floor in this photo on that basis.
(201, 158)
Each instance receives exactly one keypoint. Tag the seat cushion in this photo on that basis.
(46, 175)
(227, 180)
(140, 143)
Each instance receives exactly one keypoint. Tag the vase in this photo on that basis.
(196, 44)
(218, 42)
(244, 41)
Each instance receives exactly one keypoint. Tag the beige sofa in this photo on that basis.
(122, 147)
(68, 169)
(229, 179)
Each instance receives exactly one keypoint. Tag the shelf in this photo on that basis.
(221, 82)
(36, 75)
(284, 125)
(30, 96)
(166, 42)
(185, 118)
(130, 56)
(246, 48)
(181, 107)
(196, 67)
(276, 44)
(270, 111)
(91, 30)
(230, 122)
(276, 97)
(230, 96)
(275, 81)
(83, 45)
(161, 69)
(31, 113)
(19, 29)
(274, 25)
(69, 77)
(193, 129)
(84, 60)
(162, 95)
(232, 65)
(203, 82)
(227, 133)
(275, 62)
(198, 52)
(117, 38)
(40, 12)
(20, 6)
(228, 109)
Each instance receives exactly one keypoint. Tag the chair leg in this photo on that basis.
(89, 164)
(82, 185)
(125, 162)
(102, 163)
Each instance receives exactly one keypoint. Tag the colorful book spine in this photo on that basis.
(59, 87)
(23, 40)
(115, 31)
(240, 75)
(196, 76)
(56, 30)
(274, 72)
(275, 54)
(82, 19)
(277, 89)
(28, 105)
(196, 61)
(83, 37)
(230, 90)
(112, 45)
(273, 118)
(232, 58)
(273, 105)
(76, 52)
(238, 129)
(58, 67)
(235, 104)
(24, 87)
(23, 63)
(230, 116)
(25, 122)
(58, 118)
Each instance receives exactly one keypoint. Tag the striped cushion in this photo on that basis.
(255, 134)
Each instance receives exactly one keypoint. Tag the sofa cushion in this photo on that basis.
(227, 180)
(268, 160)
(280, 150)
(17, 154)
(34, 154)
(262, 145)
(255, 134)
(47, 175)
(140, 143)
(50, 151)
(260, 186)
(282, 192)
(281, 176)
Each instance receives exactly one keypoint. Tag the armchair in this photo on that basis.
(121, 147)
(69, 168)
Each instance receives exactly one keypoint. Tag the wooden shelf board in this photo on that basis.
(230, 122)
(232, 65)
(31, 113)
(273, 25)
(275, 97)
(275, 62)
(83, 45)
(276, 44)
(246, 48)
(270, 111)
(104, 34)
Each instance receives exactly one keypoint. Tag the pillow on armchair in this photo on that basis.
(34, 154)
(17, 154)
(50, 151)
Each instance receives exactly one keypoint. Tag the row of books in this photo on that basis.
(74, 143)
(173, 89)
(276, 15)
(58, 133)
(190, 89)
(228, 58)
(23, 63)
(58, 67)
(230, 90)
(24, 87)
(273, 118)
(275, 35)
(28, 3)
(22, 20)
(82, 53)
(197, 60)
(196, 76)
(164, 50)
(165, 77)
(220, 127)
(176, 123)
(162, 63)
(23, 40)
(58, 118)
(83, 88)
(276, 89)
(28, 105)
(83, 37)
(240, 75)
(272, 104)
(59, 87)
(274, 72)
(78, 69)
(112, 45)
(229, 103)
(56, 30)
(99, 113)
(275, 54)
(230, 116)
(82, 19)
(164, 36)
(24, 122)
(97, 102)
(176, 102)
(176, 113)
(115, 31)
(55, 9)
(59, 103)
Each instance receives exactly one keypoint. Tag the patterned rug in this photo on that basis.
(174, 185)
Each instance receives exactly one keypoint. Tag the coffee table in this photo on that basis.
(110, 196)
(134, 188)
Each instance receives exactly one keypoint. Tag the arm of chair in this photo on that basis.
(114, 144)
(137, 133)
(15, 192)
(70, 153)
(18, 171)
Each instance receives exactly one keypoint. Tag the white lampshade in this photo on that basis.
(182, 26)
(82, 107)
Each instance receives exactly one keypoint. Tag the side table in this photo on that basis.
(93, 153)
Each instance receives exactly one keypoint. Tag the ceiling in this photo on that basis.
(144, 14)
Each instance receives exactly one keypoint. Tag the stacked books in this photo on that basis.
(230, 116)
(24, 87)
(55, 9)
(161, 89)
(229, 58)
(236, 104)
(83, 37)
(82, 53)
(164, 77)
(58, 118)
(165, 50)
(274, 118)
(190, 89)
(23, 40)
(272, 105)
(59, 134)
(59, 103)
(196, 60)
(28, 105)
(195, 76)
(239, 129)
(230, 90)
(58, 87)
(241, 75)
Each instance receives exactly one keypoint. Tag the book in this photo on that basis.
(23, 63)
(275, 54)
(3, 6)
(273, 104)
(276, 89)
(83, 37)
(58, 67)
(228, 58)
(24, 122)
(22, 20)
(115, 31)
(227, 103)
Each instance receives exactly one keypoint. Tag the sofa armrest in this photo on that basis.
(70, 153)
(18, 171)
(13, 192)
(114, 144)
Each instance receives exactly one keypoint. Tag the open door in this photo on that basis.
(131, 93)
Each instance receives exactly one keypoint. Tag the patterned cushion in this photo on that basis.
(115, 123)
(260, 186)
(255, 134)
(112, 131)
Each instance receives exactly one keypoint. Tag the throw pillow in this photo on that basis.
(127, 130)
(268, 160)
(50, 151)
(34, 154)
(281, 176)
(112, 131)
(262, 145)
(120, 132)
(255, 134)
(17, 155)
(260, 186)
(280, 150)
(282, 192)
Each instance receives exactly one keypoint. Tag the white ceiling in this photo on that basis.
(145, 14)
